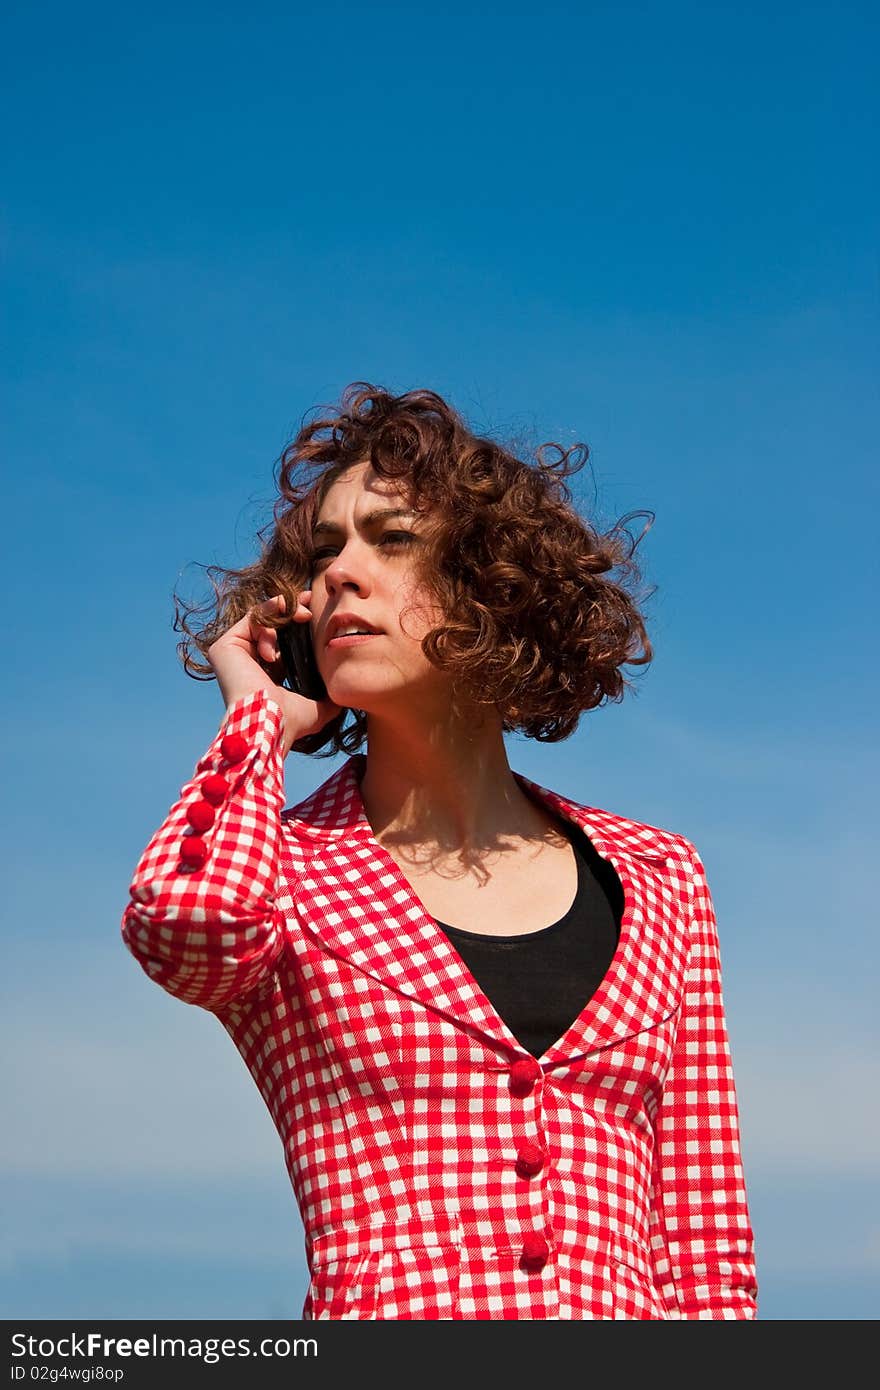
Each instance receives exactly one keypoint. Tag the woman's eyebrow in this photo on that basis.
(367, 520)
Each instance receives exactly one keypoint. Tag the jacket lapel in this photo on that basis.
(645, 982)
(350, 894)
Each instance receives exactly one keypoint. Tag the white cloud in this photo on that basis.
(121, 1079)
(809, 1110)
(54, 1220)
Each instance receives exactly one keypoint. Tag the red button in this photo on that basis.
(523, 1075)
(529, 1160)
(194, 850)
(215, 788)
(234, 748)
(200, 815)
(535, 1251)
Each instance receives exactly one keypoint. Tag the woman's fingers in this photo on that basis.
(265, 638)
(260, 637)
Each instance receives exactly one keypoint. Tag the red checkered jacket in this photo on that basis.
(440, 1170)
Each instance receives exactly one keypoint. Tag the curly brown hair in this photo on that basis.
(534, 628)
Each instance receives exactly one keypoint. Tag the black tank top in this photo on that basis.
(539, 983)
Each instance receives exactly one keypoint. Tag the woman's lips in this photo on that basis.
(353, 640)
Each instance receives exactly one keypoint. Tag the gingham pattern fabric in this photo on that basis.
(393, 1082)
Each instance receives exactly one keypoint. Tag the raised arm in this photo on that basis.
(701, 1235)
(202, 920)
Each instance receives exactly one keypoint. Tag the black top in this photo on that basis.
(539, 982)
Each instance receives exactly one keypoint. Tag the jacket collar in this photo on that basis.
(385, 930)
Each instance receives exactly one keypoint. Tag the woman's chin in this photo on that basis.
(379, 695)
(354, 695)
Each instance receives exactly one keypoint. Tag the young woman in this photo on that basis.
(486, 1018)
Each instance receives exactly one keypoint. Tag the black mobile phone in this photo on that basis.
(301, 672)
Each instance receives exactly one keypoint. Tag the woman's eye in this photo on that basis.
(397, 537)
(388, 538)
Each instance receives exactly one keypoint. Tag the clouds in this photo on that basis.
(118, 1080)
(806, 1109)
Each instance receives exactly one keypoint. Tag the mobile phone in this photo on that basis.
(301, 672)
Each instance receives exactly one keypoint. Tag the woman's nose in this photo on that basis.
(346, 568)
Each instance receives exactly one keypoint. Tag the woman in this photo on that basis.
(486, 1018)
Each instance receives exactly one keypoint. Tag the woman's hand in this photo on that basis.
(246, 659)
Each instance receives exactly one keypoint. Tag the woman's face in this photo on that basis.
(362, 566)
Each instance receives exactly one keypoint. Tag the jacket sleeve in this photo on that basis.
(701, 1235)
(210, 932)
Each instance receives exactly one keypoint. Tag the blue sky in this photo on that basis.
(653, 228)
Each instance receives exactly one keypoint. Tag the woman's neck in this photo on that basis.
(449, 790)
